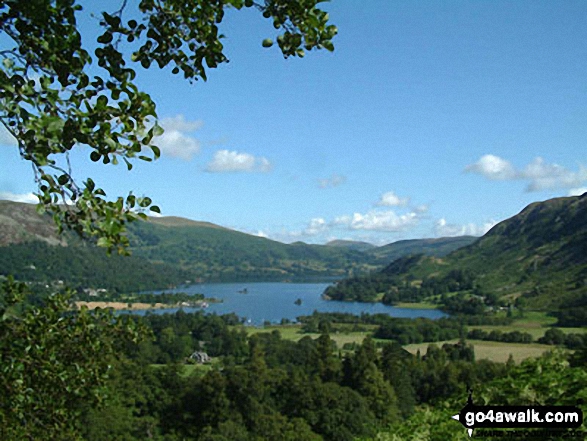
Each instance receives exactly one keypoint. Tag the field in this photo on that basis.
(416, 305)
(294, 333)
(492, 350)
(534, 323)
(133, 306)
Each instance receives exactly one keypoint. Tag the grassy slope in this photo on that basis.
(432, 247)
(541, 253)
(194, 249)
(492, 350)
(216, 252)
(20, 223)
(545, 245)
(495, 351)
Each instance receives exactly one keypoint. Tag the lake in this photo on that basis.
(273, 301)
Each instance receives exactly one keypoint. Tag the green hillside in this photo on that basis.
(438, 247)
(351, 245)
(216, 253)
(171, 250)
(536, 259)
(166, 251)
(84, 266)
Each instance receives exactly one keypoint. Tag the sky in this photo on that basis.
(429, 119)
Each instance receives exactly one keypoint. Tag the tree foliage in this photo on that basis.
(56, 96)
(53, 364)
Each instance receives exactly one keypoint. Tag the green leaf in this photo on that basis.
(155, 208)
(102, 101)
(105, 38)
(268, 42)
(158, 130)
(328, 46)
(156, 151)
(104, 242)
(145, 202)
(90, 185)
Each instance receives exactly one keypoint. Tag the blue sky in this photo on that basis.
(429, 119)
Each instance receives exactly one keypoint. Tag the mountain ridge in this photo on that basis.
(537, 258)
(196, 250)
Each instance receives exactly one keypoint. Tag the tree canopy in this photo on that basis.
(53, 98)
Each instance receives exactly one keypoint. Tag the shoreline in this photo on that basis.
(120, 306)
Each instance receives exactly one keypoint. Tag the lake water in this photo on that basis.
(274, 301)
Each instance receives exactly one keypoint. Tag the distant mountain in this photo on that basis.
(537, 258)
(174, 221)
(20, 223)
(168, 250)
(172, 250)
(31, 250)
(211, 252)
(351, 245)
(431, 247)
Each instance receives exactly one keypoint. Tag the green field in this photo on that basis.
(535, 323)
(294, 333)
(492, 350)
(495, 351)
(416, 305)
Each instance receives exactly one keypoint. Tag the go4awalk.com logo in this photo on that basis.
(517, 417)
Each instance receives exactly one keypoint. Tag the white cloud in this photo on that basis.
(577, 191)
(6, 137)
(316, 226)
(176, 140)
(390, 199)
(421, 209)
(539, 174)
(233, 161)
(264, 166)
(332, 181)
(27, 198)
(493, 167)
(378, 221)
(179, 123)
(443, 229)
(342, 220)
(544, 176)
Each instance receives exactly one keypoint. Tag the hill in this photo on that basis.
(33, 251)
(20, 223)
(166, 251)
(535, 259)
(438, 247)
(216, 253)
(351, 245)
(171, 250)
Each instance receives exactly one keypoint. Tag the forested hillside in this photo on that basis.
(536, 259)
(171, 250)
(83, 266)
(216, 253)
(438, 247)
